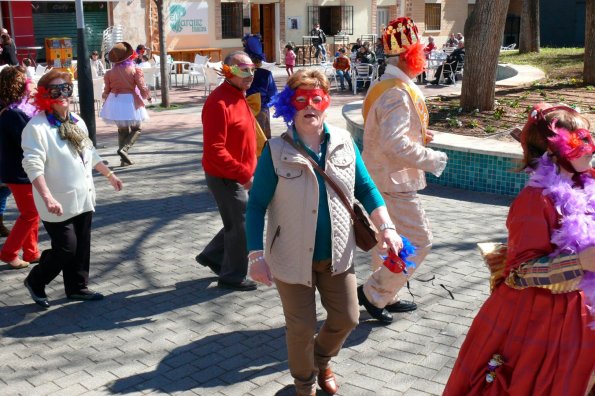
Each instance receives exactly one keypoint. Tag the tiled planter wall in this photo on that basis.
(473, 164)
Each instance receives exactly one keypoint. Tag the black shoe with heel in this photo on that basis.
(380, 314)
(37, 294)
(401, 306)
(86, 295)
(245, 285)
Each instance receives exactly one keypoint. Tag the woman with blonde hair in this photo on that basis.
(310, 241)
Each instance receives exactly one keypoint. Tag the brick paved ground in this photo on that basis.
(165, 328)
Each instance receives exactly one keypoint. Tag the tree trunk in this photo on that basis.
(163, 65)
(529, 37)
(484, 30)
(589, 67)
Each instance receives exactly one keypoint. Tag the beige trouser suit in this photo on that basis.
(396, 158)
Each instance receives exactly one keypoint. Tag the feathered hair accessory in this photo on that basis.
(570, 145)
(42, 99)
(282, 104)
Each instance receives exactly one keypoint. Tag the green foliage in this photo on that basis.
(554, 62)
(499, 113)
(490, 129)
(472, 124)
(454, 122)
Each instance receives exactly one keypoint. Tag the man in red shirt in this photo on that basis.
(229, 161)
(342, 65)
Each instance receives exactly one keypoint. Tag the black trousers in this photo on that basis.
(228, 248)
(70, 253)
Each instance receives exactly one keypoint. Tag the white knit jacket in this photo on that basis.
(67, 175)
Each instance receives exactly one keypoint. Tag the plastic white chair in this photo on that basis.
(452, 69)
(435, 60)
(195, 74)
(212, 78)
(98, 92)
(330, 73)
(151, 75)
(200, 60)
(362, 72)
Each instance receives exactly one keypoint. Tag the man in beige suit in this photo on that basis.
(395, 153)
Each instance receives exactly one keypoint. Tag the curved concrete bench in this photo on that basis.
(475, 164)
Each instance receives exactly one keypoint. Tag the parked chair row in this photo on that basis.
(508, 47)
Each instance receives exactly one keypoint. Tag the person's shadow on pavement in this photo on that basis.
(221, 360)
(67, 317)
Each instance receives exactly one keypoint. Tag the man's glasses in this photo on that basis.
(57, 90)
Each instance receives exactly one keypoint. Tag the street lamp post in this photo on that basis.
(85, 79)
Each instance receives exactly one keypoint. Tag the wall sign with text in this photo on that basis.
(189, 17)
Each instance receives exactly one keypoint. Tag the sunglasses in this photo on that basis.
(58, 90)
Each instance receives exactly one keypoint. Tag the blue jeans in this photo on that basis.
(320, 48)
(344, 75)
(4, 194)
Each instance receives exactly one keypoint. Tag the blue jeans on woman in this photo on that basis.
(4, 194)
(344, 75)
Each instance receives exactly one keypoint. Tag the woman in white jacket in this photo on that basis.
(58, 159)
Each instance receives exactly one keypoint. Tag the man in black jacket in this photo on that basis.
(453, 59)
(318, 40)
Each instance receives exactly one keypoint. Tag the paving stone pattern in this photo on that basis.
(165, 328)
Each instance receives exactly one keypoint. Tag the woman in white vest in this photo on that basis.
(310, 241)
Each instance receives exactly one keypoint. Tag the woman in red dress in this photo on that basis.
(532, 336)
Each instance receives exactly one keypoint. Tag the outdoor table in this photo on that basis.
(188, 54)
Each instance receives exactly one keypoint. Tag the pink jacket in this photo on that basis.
(290, 58)
(130, 80)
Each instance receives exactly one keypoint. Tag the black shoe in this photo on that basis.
(380, 314)
(401, 306)
(86, 295)
(205, 262)
(449, 81)
(38, 296)
(434, 82)
(245, 285)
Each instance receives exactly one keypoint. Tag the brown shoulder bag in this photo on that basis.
(365, 235)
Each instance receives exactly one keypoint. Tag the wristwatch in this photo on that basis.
(387, 226)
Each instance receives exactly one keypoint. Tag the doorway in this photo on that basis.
(381, 19)
(263, 22)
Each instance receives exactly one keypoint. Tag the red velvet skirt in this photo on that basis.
(543, 338)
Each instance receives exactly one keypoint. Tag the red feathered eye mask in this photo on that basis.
(42, 99)
(316, 98)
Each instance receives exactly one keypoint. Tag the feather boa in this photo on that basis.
(577, 210)
(25, 107)
(282, 104)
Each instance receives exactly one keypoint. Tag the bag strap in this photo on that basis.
(322, 173)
